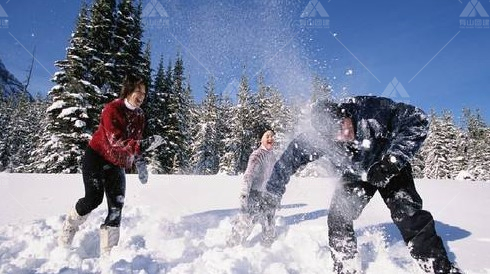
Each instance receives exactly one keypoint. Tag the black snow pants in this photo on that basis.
(99, 177)
(416, 225)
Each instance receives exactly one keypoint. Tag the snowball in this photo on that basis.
(364, 176)
(366, 143)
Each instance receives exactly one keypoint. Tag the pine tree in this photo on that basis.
(163, 90)
(477, 147)
(244, 137)
(155, 112)
(101, 47)
(146, 66)
(5, 116)
(418, 165)
(24, 130)
(190, 127)
(71, 117)
(105, 46)
(127, 45)
(226, 147)
(440, 148)
(181, 104)
(484, 175)
(273, 112)
(205, 152)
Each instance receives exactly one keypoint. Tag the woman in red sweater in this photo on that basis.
(114, 147)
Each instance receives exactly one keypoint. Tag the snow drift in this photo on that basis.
(179, 224)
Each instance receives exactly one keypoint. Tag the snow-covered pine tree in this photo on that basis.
(71, 117)
(101, 47)
(226, 148)
(244, 136)
(5, 116)
(460, 160)
(477, 149)
(67, 131)
(155, 113)
(451, 136)
(273, 112)
(24, 129)
(165, 125)
(146, 70)
(192, 114)
(75, 69)
(205, 152)
(129, 57)
(440, 147)
(181, 105)
(485, 156)
(417, 163)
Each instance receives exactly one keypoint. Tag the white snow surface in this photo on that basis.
(179, 224)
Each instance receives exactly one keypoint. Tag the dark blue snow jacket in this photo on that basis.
(383, 128)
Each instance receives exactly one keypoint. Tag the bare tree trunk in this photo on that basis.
(29, 71)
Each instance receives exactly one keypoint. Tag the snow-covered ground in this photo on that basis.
(178, 224)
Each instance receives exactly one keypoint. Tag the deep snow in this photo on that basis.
(179, 224)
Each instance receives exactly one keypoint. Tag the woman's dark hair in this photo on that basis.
(130, 82)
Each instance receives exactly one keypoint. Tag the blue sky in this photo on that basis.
(421, 43)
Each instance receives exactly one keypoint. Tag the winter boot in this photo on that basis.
(268, 237)
(439, 265)
(70, 227)
(268, 230)
(242, 228)
(109, 237)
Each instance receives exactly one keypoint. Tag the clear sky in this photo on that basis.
(440, 60)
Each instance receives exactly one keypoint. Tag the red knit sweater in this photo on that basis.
(120, 128)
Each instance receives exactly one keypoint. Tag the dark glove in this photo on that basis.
(140, 164)
(151, 143)
(380, 173)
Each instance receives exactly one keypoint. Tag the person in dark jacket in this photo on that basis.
(115, 146)
(370, 140)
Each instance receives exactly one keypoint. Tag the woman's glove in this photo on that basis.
(140, 164)
(151, 143)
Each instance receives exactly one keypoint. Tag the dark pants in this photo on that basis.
(416, 225)
(99, 177)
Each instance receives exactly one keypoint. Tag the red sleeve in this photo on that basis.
(115, 131)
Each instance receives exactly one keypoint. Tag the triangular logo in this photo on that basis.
(154, 9)
(395, 89)
(2, 12)
(474, 7)
(312, 8)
